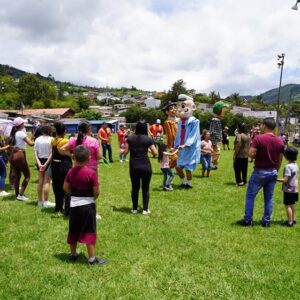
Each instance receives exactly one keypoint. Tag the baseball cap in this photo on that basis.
(217, 108)
(18, 121)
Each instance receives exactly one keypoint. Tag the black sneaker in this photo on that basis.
(265, 224)
(214, 168)
(98, 261)
(187, 186)
(295, 222)
(244, 223)
(287, 224)
(73, 257)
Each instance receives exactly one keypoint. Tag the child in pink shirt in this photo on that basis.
(206, 151)
(163, 158)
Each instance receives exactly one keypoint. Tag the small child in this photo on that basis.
(206, 151)
(82, 183)
(163, 158)
(290, 185)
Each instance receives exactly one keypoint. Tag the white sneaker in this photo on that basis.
(48, 204)
(98, 217)
(22, 198)
(3, 194)
(134, 211)
(40, 203)
(146, 212)
(171, 188)
(121, 160)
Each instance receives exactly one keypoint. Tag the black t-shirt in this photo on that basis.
(138, 147)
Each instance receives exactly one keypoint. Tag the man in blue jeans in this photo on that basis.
(267, 150)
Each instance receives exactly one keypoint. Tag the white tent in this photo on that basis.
(5, 127)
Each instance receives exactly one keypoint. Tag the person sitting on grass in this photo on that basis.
(82, 183)
(163, 159)
(206, 151)
(290, 185)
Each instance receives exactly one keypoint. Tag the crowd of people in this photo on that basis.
(72, 164)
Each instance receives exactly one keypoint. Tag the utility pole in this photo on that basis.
(280, 64)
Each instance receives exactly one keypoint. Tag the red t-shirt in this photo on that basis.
(155, 129)
(103, 134)
(269, 147)
(121, 136)
(82, 180)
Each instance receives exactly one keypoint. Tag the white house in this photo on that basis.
(152, 103)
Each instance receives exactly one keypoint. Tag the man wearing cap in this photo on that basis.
(215, 130)
(156, 131)
(187, 140)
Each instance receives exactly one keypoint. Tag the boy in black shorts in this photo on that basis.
(290, 185)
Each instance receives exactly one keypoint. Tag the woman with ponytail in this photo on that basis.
(18, 140)
(84, 138)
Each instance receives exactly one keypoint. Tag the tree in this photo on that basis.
(178, 88)
(214, 97)
(32, 89)
(29, 89)
(89, 115)
(7, 85)
(135, 113)
(236, 99)
(83, 102)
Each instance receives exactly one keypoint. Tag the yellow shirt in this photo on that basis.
(59, 143)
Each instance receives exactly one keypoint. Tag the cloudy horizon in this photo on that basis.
(225, 46)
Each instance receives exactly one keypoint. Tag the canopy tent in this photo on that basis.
(5, 127)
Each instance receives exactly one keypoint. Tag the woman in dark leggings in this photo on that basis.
(140, 166)
(60, 165)
(18, 141)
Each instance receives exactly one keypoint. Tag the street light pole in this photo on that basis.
(280, 64)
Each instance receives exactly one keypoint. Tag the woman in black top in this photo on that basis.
(140, 166)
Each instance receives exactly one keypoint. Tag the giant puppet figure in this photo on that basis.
(170, 128)
(170, 125)
(187, 139)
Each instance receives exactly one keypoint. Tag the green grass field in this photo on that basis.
(188, 248)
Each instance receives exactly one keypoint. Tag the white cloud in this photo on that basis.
(227, 46)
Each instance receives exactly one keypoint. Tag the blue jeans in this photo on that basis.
(265, 179)
(122, 156)
(107, 147)
(206, 161)
(166, 172)
(2, 173)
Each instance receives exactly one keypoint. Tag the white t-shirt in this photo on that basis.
(291, 171)
(20, 136)
(42, 146)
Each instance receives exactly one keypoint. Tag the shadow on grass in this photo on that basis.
(82, 259)
(10, 197)
(258, 223)
(230, 183)
(124, 210)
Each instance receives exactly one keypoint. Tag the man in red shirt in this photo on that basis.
(156, 131)
(267, 150)
(104, 134)
(122, 134)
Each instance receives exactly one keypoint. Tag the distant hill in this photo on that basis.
(288, 92)
(17, 73)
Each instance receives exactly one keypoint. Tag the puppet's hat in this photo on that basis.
(183, 97)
